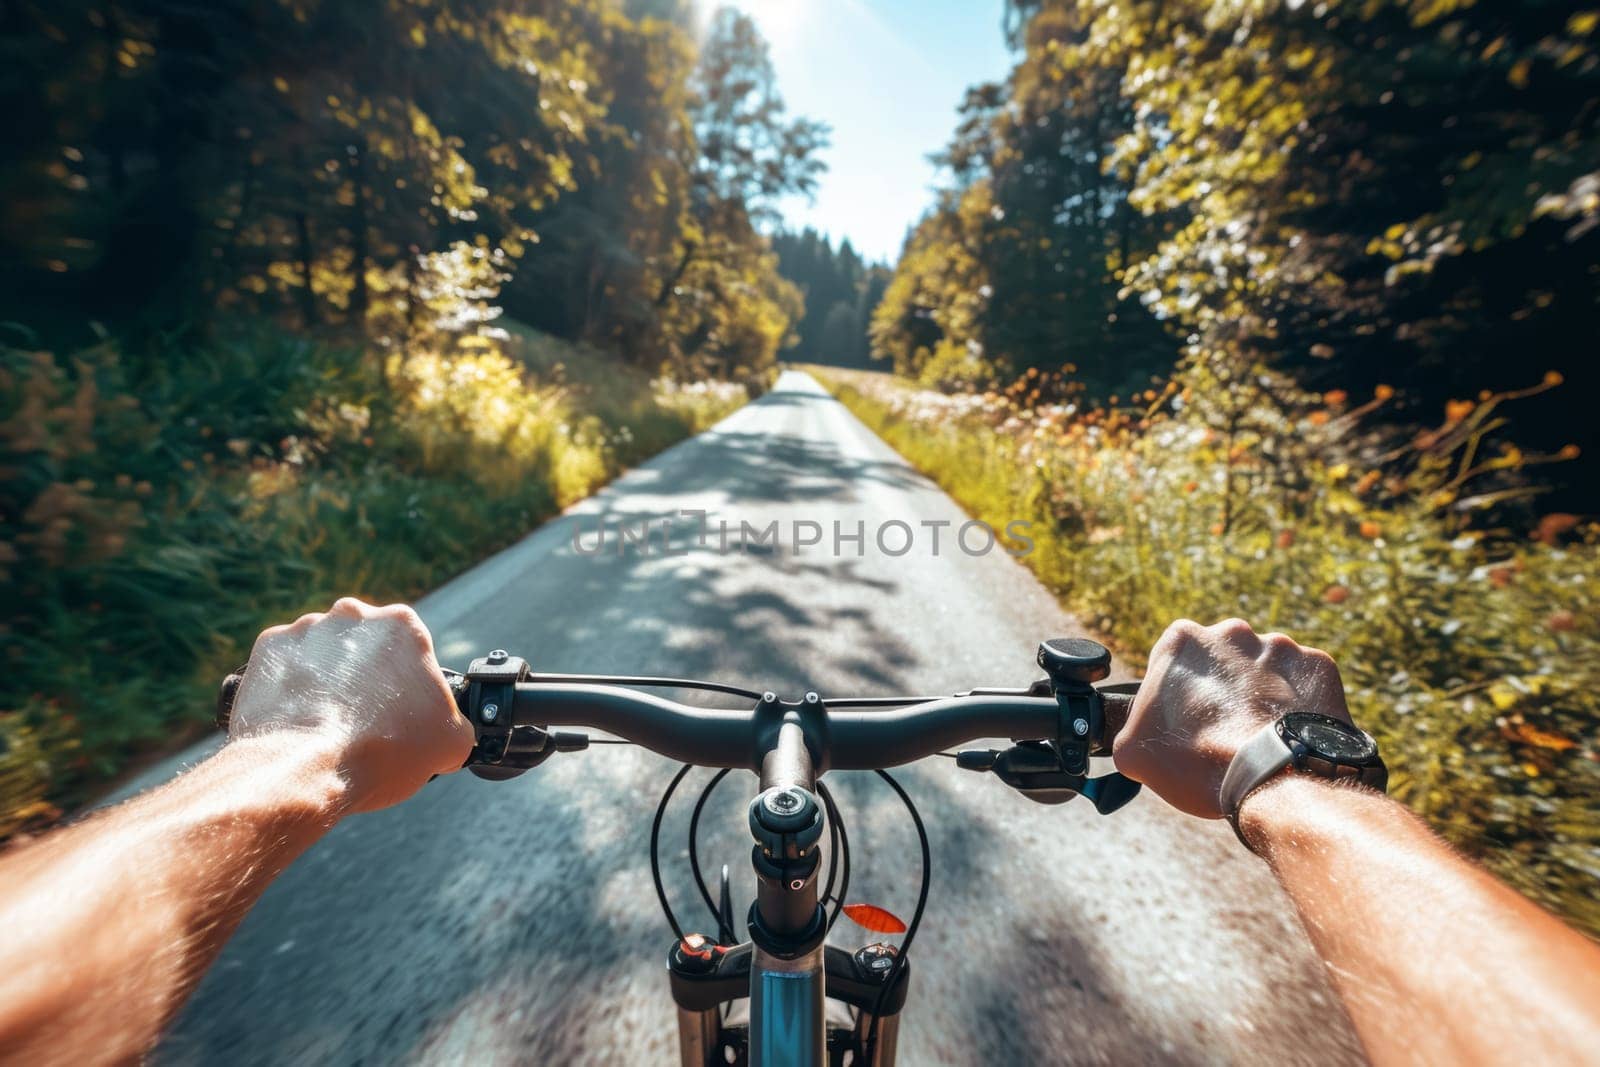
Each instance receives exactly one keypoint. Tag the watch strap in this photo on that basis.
(1257, 760)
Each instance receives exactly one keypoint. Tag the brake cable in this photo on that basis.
(694, 839)
(643, 683)
(655, 849)
(841, 855)
(916, 916)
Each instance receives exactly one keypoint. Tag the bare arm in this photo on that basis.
(110, 924)
(1436, 961)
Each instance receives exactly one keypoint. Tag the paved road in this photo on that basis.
(514, 922)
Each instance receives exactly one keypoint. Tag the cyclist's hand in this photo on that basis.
(1207, 690)
(363, 681)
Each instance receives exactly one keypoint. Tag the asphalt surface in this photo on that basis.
(515, 922)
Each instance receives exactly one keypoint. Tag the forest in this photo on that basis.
(1396, 192)
(387, 169)
(840, 291)
(298, 297)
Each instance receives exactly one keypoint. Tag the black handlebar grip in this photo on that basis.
(227, 692)
(1117, 702)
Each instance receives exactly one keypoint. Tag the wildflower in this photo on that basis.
(1286, 538)
(1367, 481)
(1562, 621)
(1383, 392)
(1371, 530)
(1335, 398)
(1336, 594)
(1500, 577)
(1569, 452)
(1318, 418)
(1552, 526)
(1189, 487)
(1456, 410)
(1553, 378)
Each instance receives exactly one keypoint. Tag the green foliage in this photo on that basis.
(380, 170)
(151, 524)
(1472, 654)
(928, 320)
(1357, 193)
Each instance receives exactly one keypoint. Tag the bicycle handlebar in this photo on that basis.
(852, 740)
(1055, 725)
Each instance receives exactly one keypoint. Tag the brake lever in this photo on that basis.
(1055, 771)
(1033, 768)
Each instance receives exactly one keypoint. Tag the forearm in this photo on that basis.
(110, 924)
(1435, 960)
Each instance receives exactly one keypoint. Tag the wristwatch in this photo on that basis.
(1311, 743)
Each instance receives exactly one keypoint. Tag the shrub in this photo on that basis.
(156, 513)
(1469, 648)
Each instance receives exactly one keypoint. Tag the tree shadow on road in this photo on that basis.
(515, 922)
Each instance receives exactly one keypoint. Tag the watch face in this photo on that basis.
(1335, 741)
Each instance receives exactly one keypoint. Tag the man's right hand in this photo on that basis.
(363, 683)
(1208, 689)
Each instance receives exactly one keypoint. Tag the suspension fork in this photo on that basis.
(787, 923)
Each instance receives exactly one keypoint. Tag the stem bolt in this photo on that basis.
(784, 801)
(491, 712)
(1080, 726)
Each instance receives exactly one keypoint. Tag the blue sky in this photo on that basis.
(887, 75)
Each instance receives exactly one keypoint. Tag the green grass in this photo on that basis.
(156, 514)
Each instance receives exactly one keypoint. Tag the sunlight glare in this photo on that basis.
(778, 20)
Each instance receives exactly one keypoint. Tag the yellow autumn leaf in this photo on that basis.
(1502, 696)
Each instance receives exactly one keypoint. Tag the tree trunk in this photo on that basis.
(360, 299)
(308, 297)
(669, 284)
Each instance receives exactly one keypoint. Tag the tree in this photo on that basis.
(1397, 192)
(724, 302)
(830, 278)
(380, 170)
(751, 152)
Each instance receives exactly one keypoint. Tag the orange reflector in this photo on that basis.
(874, 918)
